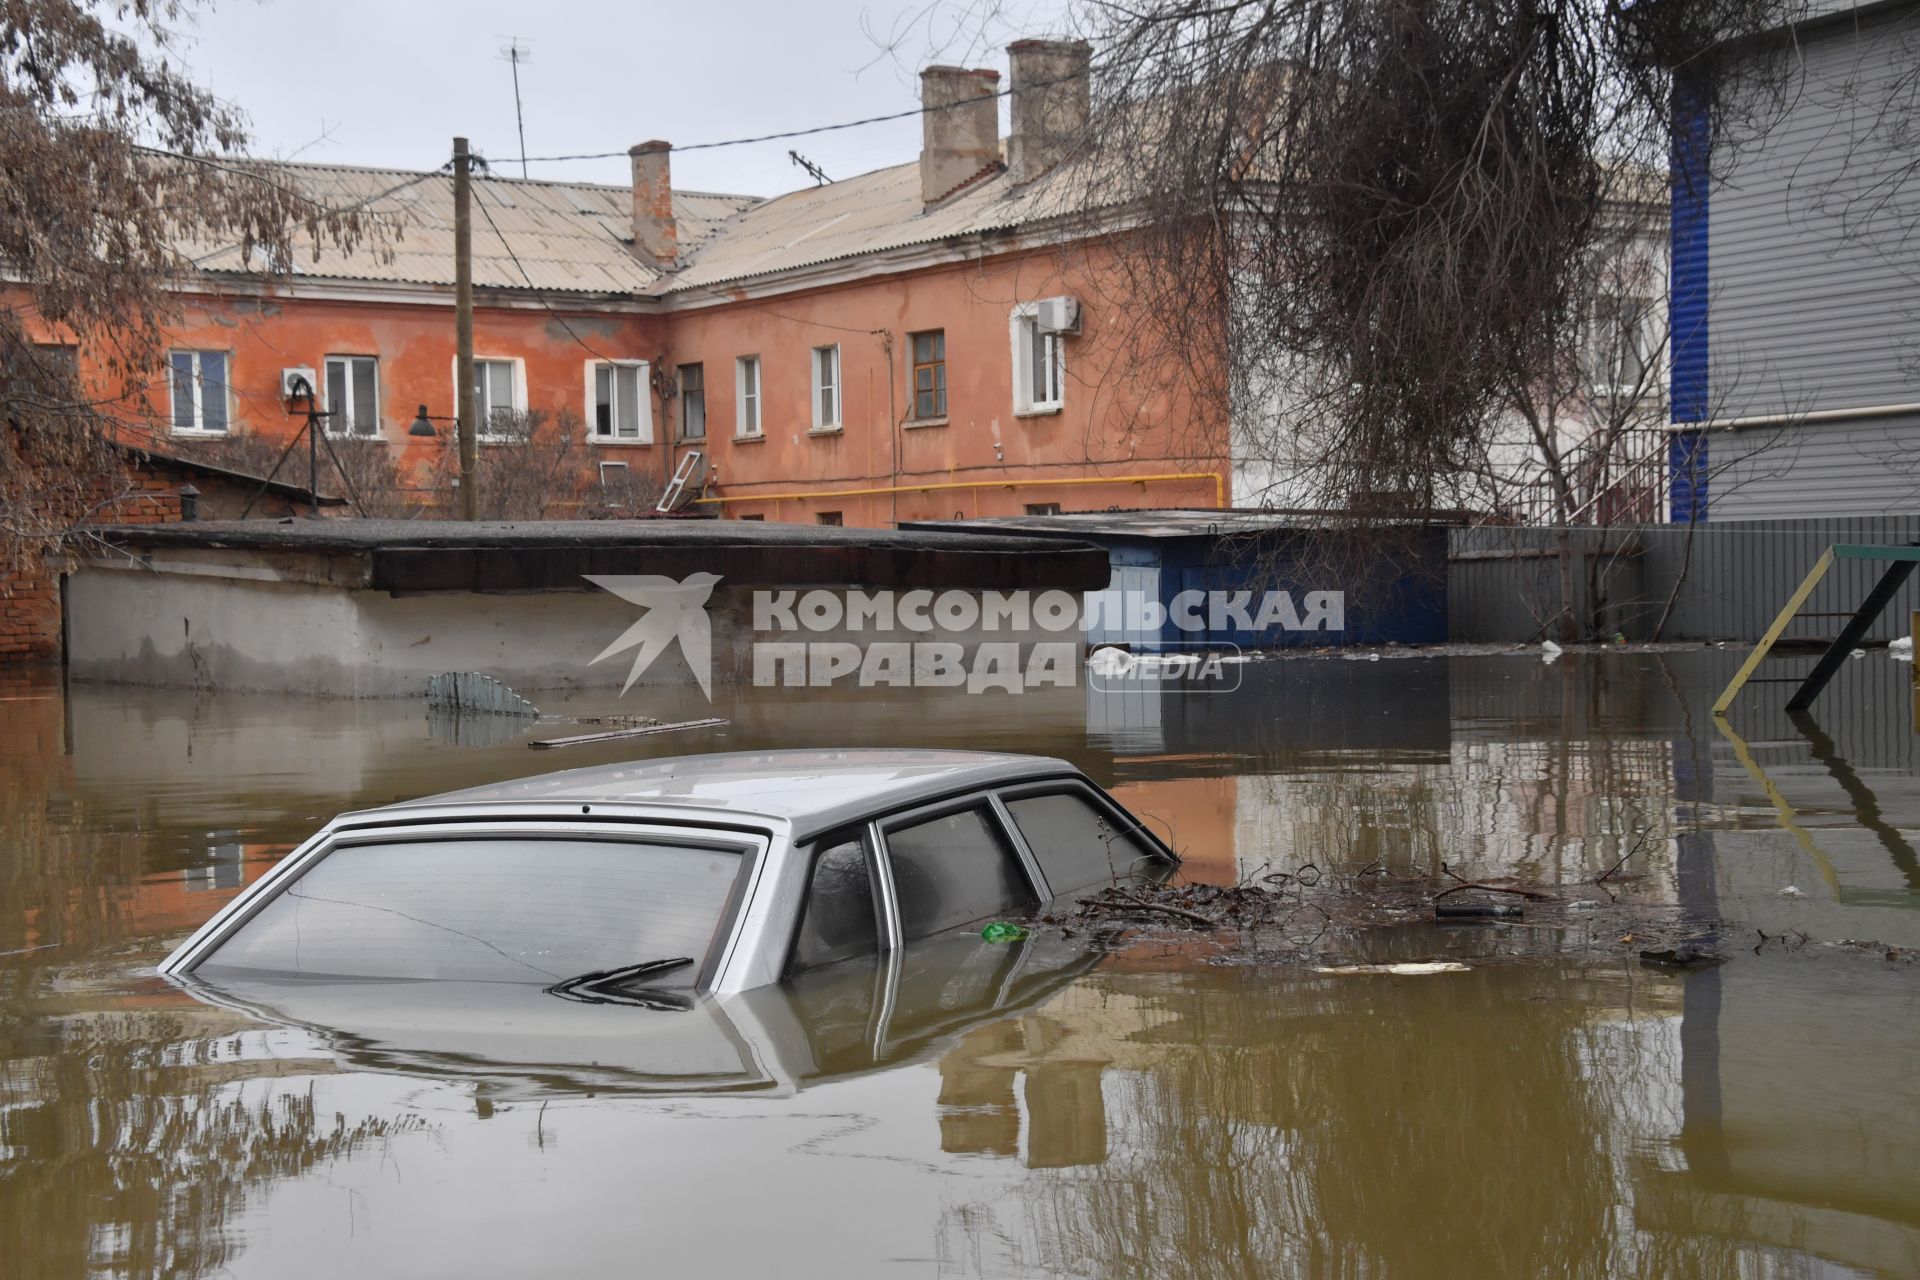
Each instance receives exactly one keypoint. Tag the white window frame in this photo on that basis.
(643, 383)
(480, 418)
(199, 394)
(749, 420)
(336, 424)
(821, 421)
(1026, 318)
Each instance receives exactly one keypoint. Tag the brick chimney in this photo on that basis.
(654, 233)
(1051, 93)
(956, 142)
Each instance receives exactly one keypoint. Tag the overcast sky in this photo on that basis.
(389, 83)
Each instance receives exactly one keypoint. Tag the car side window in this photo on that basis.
(1075, 843)
(954, 869)
(837, 921)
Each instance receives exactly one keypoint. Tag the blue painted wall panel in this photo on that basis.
(1398, 599)
(1689, 273)
(1687, 477)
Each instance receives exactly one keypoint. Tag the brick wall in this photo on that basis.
(30, 589)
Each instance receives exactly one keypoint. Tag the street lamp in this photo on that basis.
(422, 424)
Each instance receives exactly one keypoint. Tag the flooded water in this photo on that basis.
(1032, 1110)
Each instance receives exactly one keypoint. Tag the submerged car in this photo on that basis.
(650, 883)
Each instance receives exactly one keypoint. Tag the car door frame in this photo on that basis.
(1123, 818)
(999, 820)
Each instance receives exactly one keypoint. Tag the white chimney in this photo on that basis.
(1051, 96)
(959, 128)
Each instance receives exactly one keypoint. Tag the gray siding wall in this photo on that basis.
(1734, 577)
(1813, 264)
(1816, 469)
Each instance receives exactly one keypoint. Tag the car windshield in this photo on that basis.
(491, 910)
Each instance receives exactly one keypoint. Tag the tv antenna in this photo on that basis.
(515, 53)
(814, 171)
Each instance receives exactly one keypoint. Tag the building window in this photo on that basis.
(199, 389)
(827, 517)
(1622, 349)
(754, 517)
(59, 359)
(497, 400)
(622, 409)
(693, 402)
(746, 396)
(1039, 364)
(826, 388)
(353, 396)
(929, 373)
(1043, 508)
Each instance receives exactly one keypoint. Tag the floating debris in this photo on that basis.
(1416, 969)
(1476, 911)
(1686, 955)
(614, 735)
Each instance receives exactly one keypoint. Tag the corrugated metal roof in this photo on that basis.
(569, 237)
(872, 213)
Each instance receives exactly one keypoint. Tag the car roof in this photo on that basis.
(812, 789)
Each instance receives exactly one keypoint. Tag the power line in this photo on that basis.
(921, 110)
(478, 190)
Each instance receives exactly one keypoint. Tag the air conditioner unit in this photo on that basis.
(1057, 315)
(289, 378)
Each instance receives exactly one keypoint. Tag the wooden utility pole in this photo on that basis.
(463, 329)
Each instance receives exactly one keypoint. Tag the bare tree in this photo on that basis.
(111, 159)
(1366, 226)
(532, 466)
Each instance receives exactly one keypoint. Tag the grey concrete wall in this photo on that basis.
(1733, 578)
(192, 622)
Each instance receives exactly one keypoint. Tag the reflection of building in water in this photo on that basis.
(1544, 810)
(1044, 1066)
(1195, 815)
(1514, 1121)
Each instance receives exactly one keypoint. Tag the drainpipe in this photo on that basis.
(893, 427)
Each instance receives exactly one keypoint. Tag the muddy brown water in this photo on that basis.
(1030, 1110)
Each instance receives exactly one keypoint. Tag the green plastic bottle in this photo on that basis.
(1002, 931)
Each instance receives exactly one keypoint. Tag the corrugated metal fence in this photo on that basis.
(1503, 584)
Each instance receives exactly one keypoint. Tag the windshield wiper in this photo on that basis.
(624, 986)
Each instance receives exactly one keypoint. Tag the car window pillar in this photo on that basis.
(1011, 831)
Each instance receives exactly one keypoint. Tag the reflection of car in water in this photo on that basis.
(834, 1021)
(542, 921)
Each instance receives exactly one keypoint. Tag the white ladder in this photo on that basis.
(676, 494)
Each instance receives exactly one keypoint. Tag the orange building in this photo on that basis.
(924, 341)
